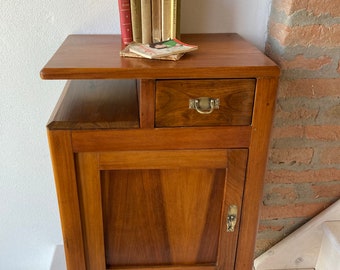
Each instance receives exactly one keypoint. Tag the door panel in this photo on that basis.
(160, 216)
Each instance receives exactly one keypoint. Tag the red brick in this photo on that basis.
(280, 32)
(280, 194)
(288, 132)
(322, 133)
(300, 62)
(312, 88)
(286, 6)
(329, 190)
(316, 7)
(319, 7)
(293, 211)
(270, 228)
(330, 156)
(300, 113)
(291, 155)
(333, 113)
(307, 176)
(310, 35)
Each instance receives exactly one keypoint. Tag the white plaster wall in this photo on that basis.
(30, 32)
(248, 18)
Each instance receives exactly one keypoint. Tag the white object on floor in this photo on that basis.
(300, 249)
(58, 261)
(329, 257)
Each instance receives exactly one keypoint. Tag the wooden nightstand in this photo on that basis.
(160, 164)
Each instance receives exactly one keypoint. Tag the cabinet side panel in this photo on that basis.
(265, 97)
(65, 181)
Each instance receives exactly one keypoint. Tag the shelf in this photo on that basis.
(97, 104)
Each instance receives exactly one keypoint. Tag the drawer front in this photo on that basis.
(216, 102)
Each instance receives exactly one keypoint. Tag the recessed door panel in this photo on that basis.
(159, 217)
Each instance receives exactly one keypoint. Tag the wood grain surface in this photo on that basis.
(218, 56)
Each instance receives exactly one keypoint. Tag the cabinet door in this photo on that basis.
(142, 209)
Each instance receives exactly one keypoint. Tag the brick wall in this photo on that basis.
(303, 175)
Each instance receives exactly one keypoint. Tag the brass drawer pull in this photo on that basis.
(204, 105)
(231, 218)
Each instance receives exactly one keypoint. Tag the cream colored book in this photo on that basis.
(166, 19)
(156, 10)
(136, 20)
(146, 21)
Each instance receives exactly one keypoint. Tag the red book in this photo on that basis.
(125, 21)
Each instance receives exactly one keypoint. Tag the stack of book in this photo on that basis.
(149, 21)
(171, 49)
(150, 29)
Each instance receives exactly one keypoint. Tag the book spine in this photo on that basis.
(125, 21)
(156, 10)
(177, 20)
(146, 21)
(136, 20)
(166, 19)
(173, 13)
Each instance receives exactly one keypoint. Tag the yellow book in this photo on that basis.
(176, 19)
(170, 19)
(174, 23)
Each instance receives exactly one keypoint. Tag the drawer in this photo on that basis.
(217, 102)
